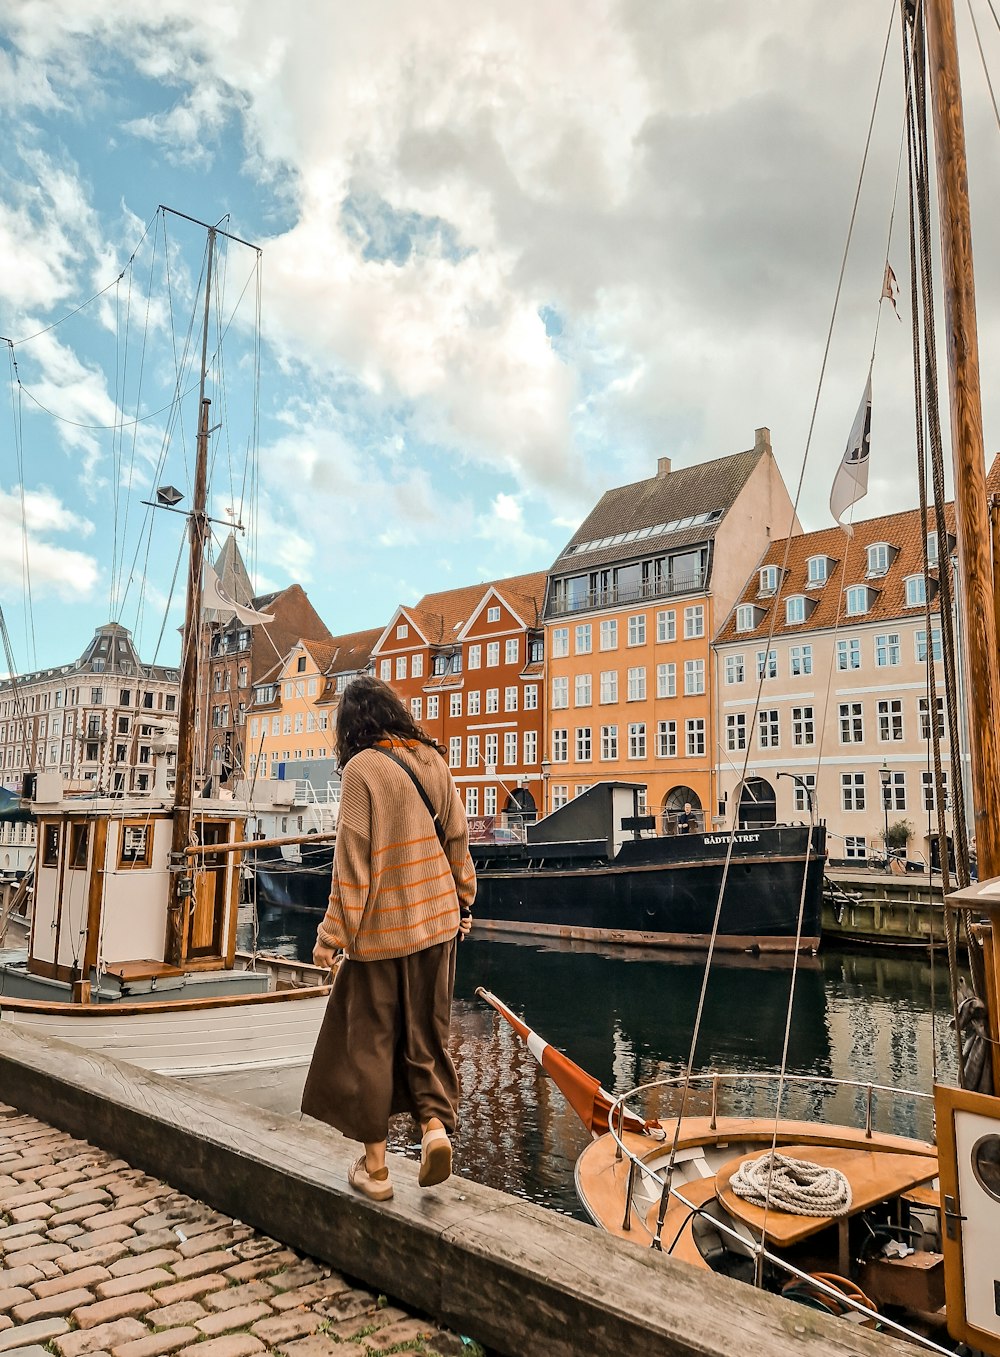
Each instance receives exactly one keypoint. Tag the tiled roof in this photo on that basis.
(441, 616)
(849, 566)
(708, 487)
(348, 653)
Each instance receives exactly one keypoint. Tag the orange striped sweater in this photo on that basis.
(396, 890)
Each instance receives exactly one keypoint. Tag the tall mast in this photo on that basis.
(975, 584)
(179, 907)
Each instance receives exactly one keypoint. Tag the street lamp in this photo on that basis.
(885, 777)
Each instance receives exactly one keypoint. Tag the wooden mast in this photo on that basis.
(975, 582)
(179, 908)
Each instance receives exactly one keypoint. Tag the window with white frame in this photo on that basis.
(560, 693)
(929, 788)
(531, 746)
(475, 657)
(857, 600)
(489, 800)
(803, 726)
(923, 706)
(694, 621)
(493, 614)
(560, 746)
(276, 725)
(472, 801)
(920, 644)
(583, 639)
(402, 631)
(637, 630)
(736, 732)
(510, 747)
(491, 749)
(735, 669)
(637, 684)
(768, 579)
(800, 800)
(666, 680)
(531, 697)
(887, 649)
(455, 704)
(852, 725)
(417, 708)
(511, 650)
(932, 548)
(472, 751)
(852, 791)
(560, 795)
(493, 700)
(795, 609)
(582, 691)
(849, 653)
(583, 744)
(510, 698)
(609, 685)
(492, 654)
(694, 735)
(455, 752)
(311, 688)
(890, 719)
(767, 664)
(855, 846)
(384, 673)
(637, 740)
(817, 569)
(416, 666)
(286, 723)
(471, 703)
(560, 642)
(894, 792)
(609, 634)
(916, 591)
(879, 558)
(666, 625)
(746, 617)
(666, 739)
(800, 660)
(767, 729)
(432, 708)
(401, 666)
(694, 677)
(609, 742)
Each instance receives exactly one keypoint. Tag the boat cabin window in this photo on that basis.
(135, 847)
(50, 845)
(79, 834)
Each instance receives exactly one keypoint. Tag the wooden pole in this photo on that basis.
(179, 905)
(968, 454)
(202, 850)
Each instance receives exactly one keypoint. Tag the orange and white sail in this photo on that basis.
(589, 1100)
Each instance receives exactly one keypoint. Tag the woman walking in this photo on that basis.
(403, 887)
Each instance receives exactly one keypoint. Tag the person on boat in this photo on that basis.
(686, 819)
(402, 894)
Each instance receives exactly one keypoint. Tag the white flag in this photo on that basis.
(851, 481)
(215, 599)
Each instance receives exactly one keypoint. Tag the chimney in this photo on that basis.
(662, 466)
(762, 440)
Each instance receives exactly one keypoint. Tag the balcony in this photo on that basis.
(693, 583)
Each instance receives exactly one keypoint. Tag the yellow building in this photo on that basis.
(632, 606)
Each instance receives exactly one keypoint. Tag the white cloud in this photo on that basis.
(65, 572)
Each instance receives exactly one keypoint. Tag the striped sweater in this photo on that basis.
(396, 890)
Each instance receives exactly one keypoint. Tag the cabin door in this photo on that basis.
(210, 899)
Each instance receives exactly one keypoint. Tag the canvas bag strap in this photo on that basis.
(438, 826)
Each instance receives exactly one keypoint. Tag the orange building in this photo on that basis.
(470, 663)
(632, 606)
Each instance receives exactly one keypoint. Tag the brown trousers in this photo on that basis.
(383, 1045)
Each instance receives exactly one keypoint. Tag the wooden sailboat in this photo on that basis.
(132, 949)
(912, 1245)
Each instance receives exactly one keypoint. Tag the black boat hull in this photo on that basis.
(661, 892)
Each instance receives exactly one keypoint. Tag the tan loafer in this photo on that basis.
(435, 1158)
(377, 1185)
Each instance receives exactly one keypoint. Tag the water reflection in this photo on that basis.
(627, 1017)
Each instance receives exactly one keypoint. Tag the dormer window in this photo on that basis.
(440, 664)
(880, 556)
(817, 570)
(768, 580)
(456, 662)
(748, 617)
(932, 548)
(859, 599)
(798, 608)
(916, 591)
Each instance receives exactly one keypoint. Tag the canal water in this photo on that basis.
(626, 1016)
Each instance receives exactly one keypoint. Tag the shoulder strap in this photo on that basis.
(438, 826)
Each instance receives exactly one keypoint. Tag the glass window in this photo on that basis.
(560, 642)
(852, 791)
(929, 791)
(583, 744)
(920, 642)
(531, 746)
(583, 639)
(401, 666)
(666, 625)
(432, 708)
(609, 742)
(472, 751)
(694, 732)
(855, 846)
(767, 729)
(493, 614)
(694, 677)
(491, 749)
(637, 740)
(887, 649)
(531, 697)
(489, 800)
(560, 746)
(511, 650)
(916, 591)
(472, 801)
(878, 558)
(416, 708)
(768, 579)
(849, 653)
(736, 732)
(795, 609)
(694, 621)
(857, 600)
(455, 704)
(510, 747)
(475, 656)
(493, 700)
(852, 728)
(609, 634)
(510, 698)
(746, 617)
(666, 739)
(666, 680)
(816, 568)
(735, 670)
(637, 630)
(801, 660)
(560, 693)
(471, 703)
(560, 795)
(803, 726)
(932, 548)
(923, 705)
(582, 691)
(492, 654)
(890, 719)
(800, 799)
(767, 664)
(384, 673)
(609, 685)
(637, 684)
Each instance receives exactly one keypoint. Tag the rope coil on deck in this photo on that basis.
(795, 1185)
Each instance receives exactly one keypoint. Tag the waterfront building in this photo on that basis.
(470, 663)
(632, 604)
(236, 657)
(93, 720)
(822, 672)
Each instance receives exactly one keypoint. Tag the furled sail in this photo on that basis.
(215, 599)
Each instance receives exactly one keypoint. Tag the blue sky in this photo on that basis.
(511, 254)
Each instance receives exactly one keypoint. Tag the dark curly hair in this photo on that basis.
(370, 711)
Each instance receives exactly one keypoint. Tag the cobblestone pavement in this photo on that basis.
(98, 1258)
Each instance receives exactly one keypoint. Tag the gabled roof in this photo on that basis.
(664, 504)
(524, 595)
(441, 616)
(348, 654)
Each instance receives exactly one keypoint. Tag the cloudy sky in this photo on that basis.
(511, 254)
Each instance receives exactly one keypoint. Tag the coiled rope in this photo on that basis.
(798, 1186)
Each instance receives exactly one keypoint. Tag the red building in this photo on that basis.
(470, 663)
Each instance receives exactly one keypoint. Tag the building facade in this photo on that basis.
(822, 673)
(470, 664)
(92, 720)
(632, 604)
